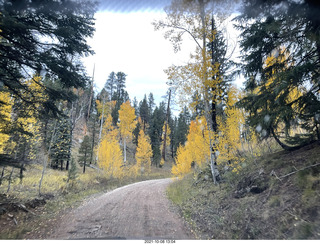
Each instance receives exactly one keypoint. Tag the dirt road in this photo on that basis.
(136, 211)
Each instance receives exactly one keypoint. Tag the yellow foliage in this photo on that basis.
(183, 162)
(229, 138)
(144, 153)
(110, 157)
(198, 141)
(105, 108)
(109, 129)
(6, 103)
(127, 120)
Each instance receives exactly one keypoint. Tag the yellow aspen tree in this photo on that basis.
(183, 162)
(198, 141)
(27, 119)
(195, 150)
(200, 74)
(230, 131)
(144, 153)
(109, 151)
(6, 102)
(127, 124)
(110, 157)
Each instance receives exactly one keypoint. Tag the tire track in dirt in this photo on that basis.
(136, 211)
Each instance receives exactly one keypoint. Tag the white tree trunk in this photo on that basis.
(124, 150)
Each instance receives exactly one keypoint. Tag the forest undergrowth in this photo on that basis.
(274, 196)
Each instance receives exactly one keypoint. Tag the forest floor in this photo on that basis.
(275, 196)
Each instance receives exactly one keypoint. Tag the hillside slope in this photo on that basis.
(275, 197)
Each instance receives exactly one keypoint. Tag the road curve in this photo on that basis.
(137, 211)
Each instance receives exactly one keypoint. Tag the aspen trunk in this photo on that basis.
(124, 150)
(213, 164)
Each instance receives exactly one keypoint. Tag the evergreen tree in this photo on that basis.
(144, 113)
(135, 106)
(111, 84)
(84, 152)
(151, 103)
(120, 95)
(281, 67)
(155, 133)
(181, 131)
(61, 148)
(120, 86)
(65, 25)
(73, 171)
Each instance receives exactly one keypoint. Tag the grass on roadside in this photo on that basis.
(65, 195)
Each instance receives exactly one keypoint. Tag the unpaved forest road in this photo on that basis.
(136, 211)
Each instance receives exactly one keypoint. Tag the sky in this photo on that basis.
(125, 41)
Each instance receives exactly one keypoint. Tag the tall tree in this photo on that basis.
(144, 153)
(151, 102)
(193, 17)
(120, 95)
(109, 151)
(44, 36)
(127, 124)
(61, 146)
(166, 129)
(281, 40)
(155, 132)
(111, 84)
(144, 113)
(84, 152)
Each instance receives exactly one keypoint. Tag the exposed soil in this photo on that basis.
(136, 211)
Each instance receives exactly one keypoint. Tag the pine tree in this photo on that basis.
(61, 148)
(181, 131)
(290, 37)
(72, 171)
(144, 113)
(151, 102)
(120, 95)
(65, 25)
(111, 84)
(84, 152)
(155, 133)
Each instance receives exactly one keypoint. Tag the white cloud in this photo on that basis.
(127, 42)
